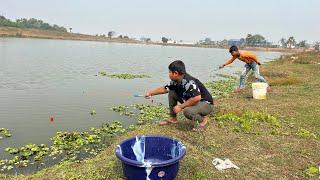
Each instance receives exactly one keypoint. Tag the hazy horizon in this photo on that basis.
(187, 20)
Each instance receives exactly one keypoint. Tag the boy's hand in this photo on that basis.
(177, 109)
(147, 95)
(221, 66)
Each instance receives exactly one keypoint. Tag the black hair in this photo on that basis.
(233, 48)
(177, 66)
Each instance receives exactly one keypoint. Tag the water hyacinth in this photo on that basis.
(128, 76)
(102, 73)
(144, 113)
(93, 112)
(65, 146)
(24, 155)
(221, 88)
(4, 133)
(123, 110)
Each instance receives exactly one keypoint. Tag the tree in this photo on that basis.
(207, 40)
(223, 43)
(111, 34)
(30, 23)
(70, 29)
(302, 44)
(242, 41)
(120, 36)
(317, 46)
(248, 40)
(291, 42)
(255, 40)
(144, 39)
(283, 42)
(164, 40)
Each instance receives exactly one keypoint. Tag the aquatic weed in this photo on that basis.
(4, 133)
(128, 76)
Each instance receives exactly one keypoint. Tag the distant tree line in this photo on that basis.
(31, 23)
(256, 40)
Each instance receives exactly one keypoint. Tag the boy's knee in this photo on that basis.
(188, 113)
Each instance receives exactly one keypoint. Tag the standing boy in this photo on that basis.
(251, 61)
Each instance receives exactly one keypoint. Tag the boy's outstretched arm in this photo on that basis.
(257, 61)
(160, 90)
(228, 62)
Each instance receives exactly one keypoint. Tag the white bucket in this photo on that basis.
(259, 90)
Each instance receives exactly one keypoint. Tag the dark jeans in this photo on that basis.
(196, 112)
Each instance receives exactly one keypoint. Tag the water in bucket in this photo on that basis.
(259, 90)
(150, 157)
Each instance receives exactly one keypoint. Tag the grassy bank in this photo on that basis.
(281, 146)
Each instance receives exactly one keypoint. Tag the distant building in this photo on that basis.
(170, 41)
(235, 42)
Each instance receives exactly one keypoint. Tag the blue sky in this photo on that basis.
(188, 20)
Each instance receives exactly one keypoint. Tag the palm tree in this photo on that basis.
(70, 29)
(291, 42)
(249, 39)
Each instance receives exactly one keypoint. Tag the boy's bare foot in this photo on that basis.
(238, 90)
(202, 126)
(169, 121)
(269, 89)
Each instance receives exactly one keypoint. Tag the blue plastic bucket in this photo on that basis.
(161, 157)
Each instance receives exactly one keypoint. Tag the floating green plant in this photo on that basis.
(65, 146)
(102, 73)
(221, 88)
(128, 76)
(93, 112)
(24, 155)
(150, 113)
(4, 133)
(144, 113)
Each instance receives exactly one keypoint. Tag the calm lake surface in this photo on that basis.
(42, 78)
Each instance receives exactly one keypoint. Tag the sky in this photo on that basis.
(187, 20)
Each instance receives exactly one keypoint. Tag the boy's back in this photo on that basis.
(247, 57)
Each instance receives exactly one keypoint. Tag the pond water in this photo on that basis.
(43, 78)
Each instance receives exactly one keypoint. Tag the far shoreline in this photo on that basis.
(13, 32)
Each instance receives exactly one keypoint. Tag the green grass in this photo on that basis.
(277, 138)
